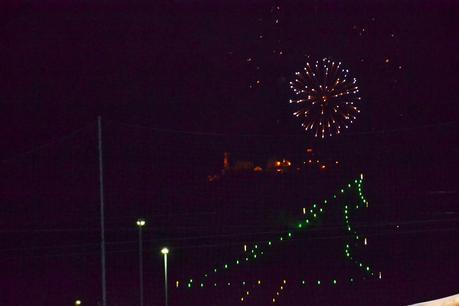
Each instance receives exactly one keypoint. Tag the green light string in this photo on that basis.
(297, 282)
(347, 247)
(311, 216)
(249, 290)
(354, 234)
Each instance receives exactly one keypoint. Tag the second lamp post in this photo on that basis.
(140, 224)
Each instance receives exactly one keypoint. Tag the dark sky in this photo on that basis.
(179, 82)
(184, 65)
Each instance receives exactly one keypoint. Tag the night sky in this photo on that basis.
(177, 84)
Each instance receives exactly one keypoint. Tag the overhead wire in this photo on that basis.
(222, 244)
(200, 133)
(48, 144)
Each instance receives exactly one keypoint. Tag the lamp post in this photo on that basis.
(165, 251)
(140, 224)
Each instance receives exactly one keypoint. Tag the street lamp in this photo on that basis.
(77, 302)
(140, 224)
(165, 251)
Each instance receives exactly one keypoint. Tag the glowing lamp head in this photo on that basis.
(77, 302)
(164, 251)
(141, 222)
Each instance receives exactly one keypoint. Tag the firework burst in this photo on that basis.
(324, 97)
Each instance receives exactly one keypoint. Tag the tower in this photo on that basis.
(226, 163)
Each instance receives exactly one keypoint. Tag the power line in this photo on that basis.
(48, 144)
(133, 229)
(230, 244)
(320, 230)
(199, 133)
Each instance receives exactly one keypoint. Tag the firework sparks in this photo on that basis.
(325, 97)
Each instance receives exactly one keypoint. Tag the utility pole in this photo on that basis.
(102, 214)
